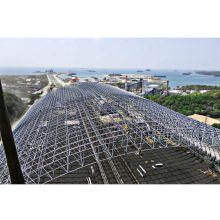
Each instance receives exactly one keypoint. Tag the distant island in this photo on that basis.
(204, 72)
(140, 71)
(50, 71)
(39, 71)
(147, 70)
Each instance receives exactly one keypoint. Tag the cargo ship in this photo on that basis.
(72, 74)
(161, 76)
(115, 74)
(187, 73)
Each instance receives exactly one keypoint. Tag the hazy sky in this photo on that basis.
(167, 53)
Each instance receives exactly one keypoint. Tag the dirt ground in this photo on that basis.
(20, 87)
(202, 118)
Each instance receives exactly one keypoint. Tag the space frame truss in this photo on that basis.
(78, 125)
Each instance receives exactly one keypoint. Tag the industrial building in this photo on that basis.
(93, 133)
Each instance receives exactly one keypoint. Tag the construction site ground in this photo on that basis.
(179, 167)
(204, 119)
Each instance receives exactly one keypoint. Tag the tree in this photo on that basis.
(33, 97)
(216, 106)
(14, 105)
(197, 112)
(216, 114)
(216, 125)
(211, 103)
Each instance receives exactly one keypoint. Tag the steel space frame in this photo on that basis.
(76, 125)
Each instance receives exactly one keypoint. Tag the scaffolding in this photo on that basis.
(79, 125)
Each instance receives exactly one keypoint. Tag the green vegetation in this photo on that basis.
(216, 125)
(120, 84)
(199, 87)
(14, 105)
(33, 97)
(207, 104)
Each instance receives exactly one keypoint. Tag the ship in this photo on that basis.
(72, 74)
(160, 76)
(115, 74)
(187, 73)
(147, 70)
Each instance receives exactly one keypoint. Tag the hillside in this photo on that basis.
(199, 87)
(14, 105)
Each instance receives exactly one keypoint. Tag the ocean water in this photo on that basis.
(175, 77)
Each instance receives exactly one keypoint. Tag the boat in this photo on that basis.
(187, 73)
(114, 74)
(159, 76)
(92, 71)
(72, 74)
(147, 70)
(39, 71)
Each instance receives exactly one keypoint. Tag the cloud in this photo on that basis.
(164, 57)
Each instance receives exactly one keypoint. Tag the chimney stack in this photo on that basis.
(167, 86)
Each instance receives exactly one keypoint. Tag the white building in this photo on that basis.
(93, 80)
(176, 92)
(204, 91)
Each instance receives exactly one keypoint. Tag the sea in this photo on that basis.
(175, 78)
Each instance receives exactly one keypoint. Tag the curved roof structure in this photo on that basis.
(82, 125)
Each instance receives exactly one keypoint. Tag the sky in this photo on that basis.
(157, 53)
